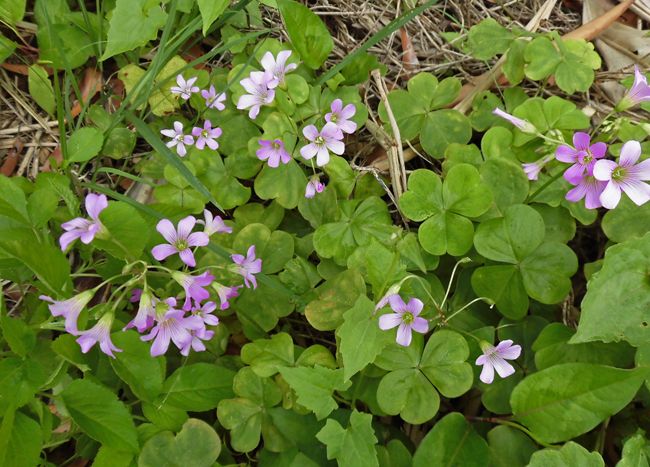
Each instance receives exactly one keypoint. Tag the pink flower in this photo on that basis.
(624, 176)
(179, 240)
(196, 341)
(313, 186)
(212, 99)
(494, 358)
(81, 228)
(194, 287)
(277, 68)
(248, 266)
(583, 156)
(206, 136)
(146, 312)
(225, 293)
(69, 309)
(273, 151)
(100, 332)
(205, 313)
(588, 188)
(185, 89)
(328, 139)
(213, 224)
(532, 169)
(638, 93)
(259, 86)
(523, 125)
(171, 325)
(340, 116)
(178, 139)
(406, 316)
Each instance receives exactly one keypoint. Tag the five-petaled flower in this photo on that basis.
(406, 316)
(273, 152)
(583, 156)
(213, 224)
(277, 67)
(494, 358)
(638, 93)
(100, 332)
(588, 188)
(248, 266)
(212, 99)
(340, 116)
(185, 89)
(171, 325)
(178, 138)
(69, 309)
(259, 86)
(328, 139)
(626, 175)
(523, 125)
(81, 228)
(314, 186)
(206, 136)
(180, 241)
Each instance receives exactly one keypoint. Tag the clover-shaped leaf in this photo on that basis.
(446, 207)
(266, 356)
(285, 183)
(197, 444)
(334, 297)
(536, 269)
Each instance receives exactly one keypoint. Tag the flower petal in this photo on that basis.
(598, 150)
(415, 306)
(322, 157)
(420, 325)
(611, 195)
(603, 169)
(167, 230)
(638, 191)
(162, 251)
(198, 239)
(630, 153)
(309, 151)
(566, 154)
(185, 227)
(504, 369)
(487, 373)
(310, 132)
(397, 304)
(389, 321)
(95, 204)
(404, 335)
(187, 257)
(581, 140)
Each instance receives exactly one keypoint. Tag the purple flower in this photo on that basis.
(313, 186)
(70, 308)
(206, 136)
(81, 228)
(624, 176)
(194, 286)
(639, 92)
(100, 332)
(277, 68)
(135, 295)
(171, 325)
(532, 169)
(212, 99)
(340, 116)
(185, 88)
(588, 188)
(248, 266)
(196, 341)
(328, 139)
(523, 125)
(179, 240)
(583, 156)
(259, 87)
(205, 313)
(213, 225)
(274, 151)
(494, 358)
(225, 293)
(406, 316)
(178, 139)
(146, 312)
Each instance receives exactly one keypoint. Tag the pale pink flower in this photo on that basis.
(212, 99)
(248, 266)
(406, 316)
(340, 116)
(185, 89)
(494, 358)
(84, 229)
(178, 138)
(523, 125)
(259, 86)
(273, 152)
(638, 93)
(206, 136)
(328, 139)
(314, 186)
(213, 224)
(277, 67)
(100, 332)
(583, 156)
(69, 309)
(179, 240)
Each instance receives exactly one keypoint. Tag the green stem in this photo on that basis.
(544, 186)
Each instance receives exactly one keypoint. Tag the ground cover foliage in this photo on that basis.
(208, 274)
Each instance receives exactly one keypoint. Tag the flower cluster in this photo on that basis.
(184, 321)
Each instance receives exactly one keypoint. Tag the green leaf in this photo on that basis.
(132, 25)
(243, 418)
(100, 415)
(507, 181)
(7, 48)
(20, 337)
(567, 400)
(286, 183)
(509, 447)
(547, 270)
(23, 447)
(307, 33)
(19, 380)
(197, 444)
(128, 233)
(453, 442)
(354, 445)
(542, 58)
(108, 457)
(409, 394)
(135, 366)
(444, 363)
(636, 451)
(487, 39)
(621, 284)
(627, 221)
(198, 387)
(334, 298)
(210, 11)
(12, 11)
(442, 128)
(569, 455)
(84, 144)
(267, 356)
(314, 387)
(359, 325)
(40, 88)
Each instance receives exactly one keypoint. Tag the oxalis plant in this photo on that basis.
(211, 275)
